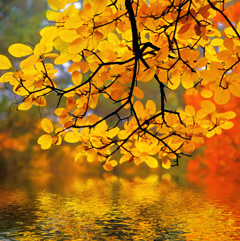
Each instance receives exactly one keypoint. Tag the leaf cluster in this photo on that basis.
(112, 46)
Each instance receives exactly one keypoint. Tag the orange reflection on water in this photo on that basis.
(114, 208)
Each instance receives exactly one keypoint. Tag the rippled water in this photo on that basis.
(113, 208)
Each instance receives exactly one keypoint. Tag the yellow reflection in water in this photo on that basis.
(113, 208)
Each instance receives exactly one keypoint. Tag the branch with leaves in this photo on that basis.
(114, 47)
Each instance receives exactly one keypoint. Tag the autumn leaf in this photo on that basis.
(20, 50)
(115, 73)
(5, 62)
(99, 6)
(45, 141)
(47, 125)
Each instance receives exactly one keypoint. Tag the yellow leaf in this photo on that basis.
(54, 4)
(81, 121)
(99, 6)
(29, 62)
(234, 88)
(147, 75)
(68, 35)
(221, 96)
(25, 105)
(208, 106)
(5, 62)
(206, 93)
(187, 82)
(138, 92)
(65, 2)
(228, 115)
(217, 42)
(151, 162)
(42, 48)
(8, 77)
(226, 125)
(77, 45)
(166, 163)
(72, 137)
(171, 119)
(174, 82)
(138, 106)
(74, 67)
(52, 56)
(47, 125)
(63, 58)
(20, 50)
(45, 141)
(113, 132)
(189, 110)
(162, 53)
(151, 106)
(76, 77)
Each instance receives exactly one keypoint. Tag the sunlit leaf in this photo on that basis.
(208, 106)
(5, 62)
(138, 92)
(25, 105)
(29, 62)
(190, 111)
(20, 50)
(76, 77)
(166, 163)
(45, 141)
(235, 88)
(99, 6)
(54, 4)
(47, 125)
(226, 125)
(151, 106)
(221, 96)
(72, 137)
(151, 162)
(206, 93)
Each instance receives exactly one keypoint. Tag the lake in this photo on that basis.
(113, 208)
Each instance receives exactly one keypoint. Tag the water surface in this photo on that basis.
(113, 208)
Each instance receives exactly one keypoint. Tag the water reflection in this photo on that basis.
(113, 208)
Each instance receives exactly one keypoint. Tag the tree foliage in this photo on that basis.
(115, 49)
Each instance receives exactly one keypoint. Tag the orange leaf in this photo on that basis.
(138, 92)
(221, 96)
